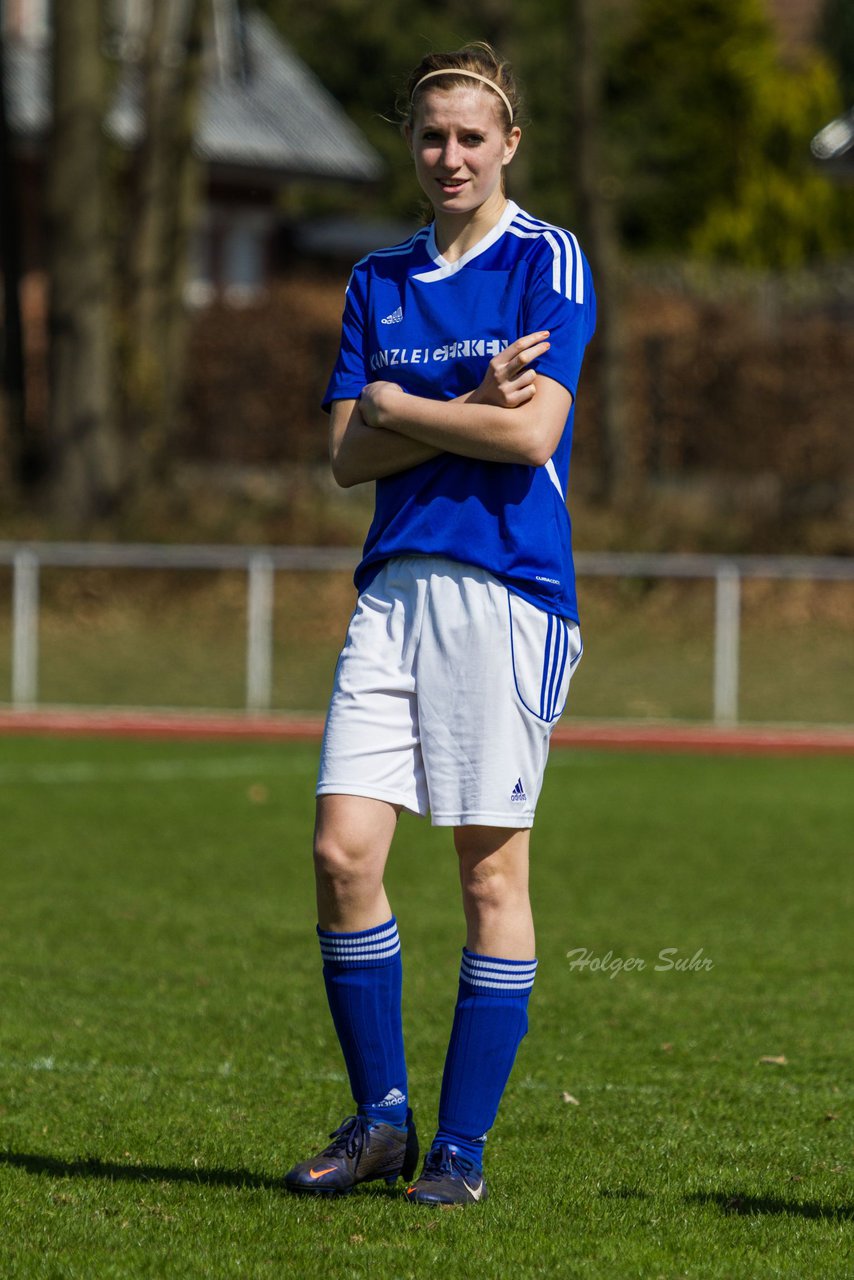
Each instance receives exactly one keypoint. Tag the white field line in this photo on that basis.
(80, 772)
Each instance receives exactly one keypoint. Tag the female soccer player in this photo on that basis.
(453, 390)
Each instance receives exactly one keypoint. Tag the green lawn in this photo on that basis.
(166, 1053)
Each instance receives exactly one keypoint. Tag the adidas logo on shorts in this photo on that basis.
(394, 318)
(517, 795)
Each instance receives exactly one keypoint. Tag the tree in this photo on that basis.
(683, 86)
(164, 186)
(712, 130)
(13, 382)
(86, 470)
(112, 403)
(596, 220)
(782, 214)
(836, 36)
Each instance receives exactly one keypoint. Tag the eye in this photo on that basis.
(474, 139)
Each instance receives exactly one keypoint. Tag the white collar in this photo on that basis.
(443, 268)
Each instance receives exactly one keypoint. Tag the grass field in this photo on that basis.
(166, 1053)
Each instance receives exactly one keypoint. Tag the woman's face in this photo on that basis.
(460, 147)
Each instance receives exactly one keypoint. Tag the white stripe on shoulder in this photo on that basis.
(394, 250)
(404, 247)
(567, 265)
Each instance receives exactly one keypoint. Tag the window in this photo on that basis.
(229, 256)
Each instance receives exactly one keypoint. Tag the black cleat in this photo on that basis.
(447, 1178)
(361, 1151)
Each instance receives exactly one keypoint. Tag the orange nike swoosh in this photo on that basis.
(318, 1173)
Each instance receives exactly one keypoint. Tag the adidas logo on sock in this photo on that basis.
(392, 1099)
(394, 318)
(517, 795)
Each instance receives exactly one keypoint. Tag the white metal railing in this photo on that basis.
(261, 564)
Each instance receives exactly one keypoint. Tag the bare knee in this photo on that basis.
(493, 866)
(494, 882)
(485, 886)
(351, 841)
(340, 864)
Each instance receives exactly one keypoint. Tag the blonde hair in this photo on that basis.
(479, 61)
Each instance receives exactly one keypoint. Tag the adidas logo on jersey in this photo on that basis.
(392, 1099)
(394, 318)
(517, 795)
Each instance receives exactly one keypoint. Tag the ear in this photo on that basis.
(511, 143)
(407, 133)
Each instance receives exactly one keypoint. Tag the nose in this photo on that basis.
(451, 154)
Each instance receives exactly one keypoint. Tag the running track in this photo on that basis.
(746, 739)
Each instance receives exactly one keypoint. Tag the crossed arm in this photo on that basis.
(386, 430)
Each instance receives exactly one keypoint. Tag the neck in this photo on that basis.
(456, 233)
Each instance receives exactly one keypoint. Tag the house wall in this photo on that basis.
(26, 18)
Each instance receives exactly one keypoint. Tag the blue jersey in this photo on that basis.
(432, 327)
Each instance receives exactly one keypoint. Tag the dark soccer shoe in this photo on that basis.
(360, 1151)
(447, 1178)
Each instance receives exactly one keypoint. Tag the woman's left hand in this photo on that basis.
(510, 381)
(376, 403)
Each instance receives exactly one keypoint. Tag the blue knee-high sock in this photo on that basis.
(363, 976)
(490, 1021)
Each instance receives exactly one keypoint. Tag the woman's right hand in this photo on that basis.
(509, 380)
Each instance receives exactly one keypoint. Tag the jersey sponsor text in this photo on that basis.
(460, 349)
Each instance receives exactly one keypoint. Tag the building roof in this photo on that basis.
(268, 117)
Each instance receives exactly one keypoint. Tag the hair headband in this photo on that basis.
(472, 75)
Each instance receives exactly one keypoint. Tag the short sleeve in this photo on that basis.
(350, 374)
(559, 297)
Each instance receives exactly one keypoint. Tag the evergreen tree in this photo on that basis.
(836, 36)
(684, 89)
(712, 133)
(783, 213)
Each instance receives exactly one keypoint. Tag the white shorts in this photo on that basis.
(445, 696)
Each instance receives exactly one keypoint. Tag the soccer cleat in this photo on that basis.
(447, 1178)
(360, 1151)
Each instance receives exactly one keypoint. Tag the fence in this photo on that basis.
(260, 565)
